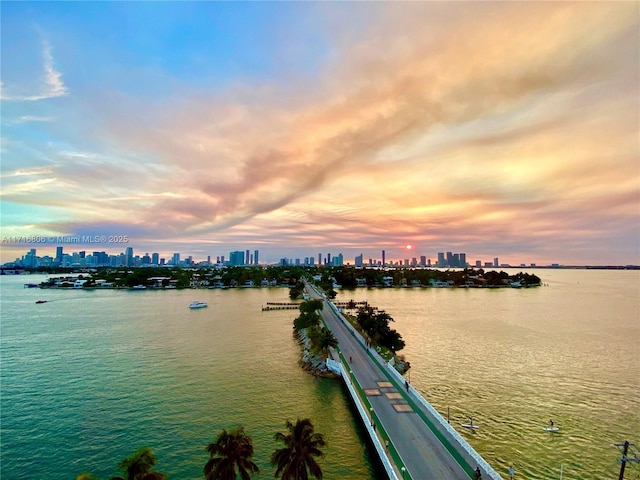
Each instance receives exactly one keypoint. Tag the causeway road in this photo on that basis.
(424, 455)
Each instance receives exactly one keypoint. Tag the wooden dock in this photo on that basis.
(296, 306)
(280, 306)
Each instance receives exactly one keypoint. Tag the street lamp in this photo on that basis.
(402, 469)
(627, 456)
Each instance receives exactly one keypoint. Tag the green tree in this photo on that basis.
(311, 306)
(308, 314)
(138, 466)
(230, 450)
(296, 459)
(323, 340)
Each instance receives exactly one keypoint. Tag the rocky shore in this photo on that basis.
(312, 363)
(316, 364)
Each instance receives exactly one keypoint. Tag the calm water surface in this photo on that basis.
(516, 358)
(90, 376)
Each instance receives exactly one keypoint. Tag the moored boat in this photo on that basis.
(197, 304)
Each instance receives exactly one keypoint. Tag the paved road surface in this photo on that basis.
(424, 456)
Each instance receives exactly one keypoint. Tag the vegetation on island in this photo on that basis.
(375, 326)
(349, 278)
(316, 339)
(327, 278)
(231, 455)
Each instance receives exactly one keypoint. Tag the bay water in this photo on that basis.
(90, 376)
(514, 359)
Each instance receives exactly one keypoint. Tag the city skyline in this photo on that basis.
(501, 129)
(129, 257)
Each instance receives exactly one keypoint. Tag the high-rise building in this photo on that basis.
(236, 258)
(247, 258)
(100, 258)
(358, 261)
(155, 258)
(441, 261)
(128, 253)
(176, 259)
(30, 260)
(423, 260)
(255, 257)
(463, 260)
(495, 262)
(384, 261)
(59, 255)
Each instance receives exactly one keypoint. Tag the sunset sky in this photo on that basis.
(493, 128)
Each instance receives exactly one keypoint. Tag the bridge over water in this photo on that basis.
(411, 438)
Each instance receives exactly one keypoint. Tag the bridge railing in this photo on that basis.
(454, 436)
(368, 420)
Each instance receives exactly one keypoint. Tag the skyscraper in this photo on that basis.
(358, 261)
(384, 261)
(128, 253)
(255, 257)
(236, 258)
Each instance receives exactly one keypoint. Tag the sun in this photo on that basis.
(409, 247)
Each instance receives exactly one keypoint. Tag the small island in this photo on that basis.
(327, 278)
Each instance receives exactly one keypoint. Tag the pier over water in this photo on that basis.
(411, 438)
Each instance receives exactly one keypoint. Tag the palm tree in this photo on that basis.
(295, 461)
(230, 450)
(324, 341)
(138, 466)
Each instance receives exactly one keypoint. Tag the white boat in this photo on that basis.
(197, 304)
(551, 429)
(469, 426)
